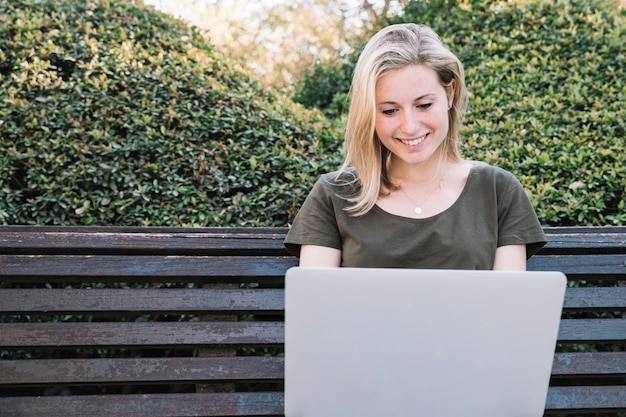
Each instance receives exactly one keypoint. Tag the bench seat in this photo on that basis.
(122, 321)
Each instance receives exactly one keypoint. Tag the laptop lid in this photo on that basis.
(399, 342)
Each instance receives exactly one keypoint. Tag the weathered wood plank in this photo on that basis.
(144, 370)
(124, 240)
(153, 405)
(257, 404)
(572, 399)
(140, 370)
(592, 266)
(589, 364)
(595, 298)
(592, 330)
(169, 300)
(585, 239)
(121, 267)
(172, 240)
(164, 300)
(223, 333)
(176, 265)
(150, 334)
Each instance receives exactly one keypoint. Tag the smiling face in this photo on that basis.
(412, 114)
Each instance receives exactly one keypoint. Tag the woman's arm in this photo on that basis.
(511, 257)
(321, 256)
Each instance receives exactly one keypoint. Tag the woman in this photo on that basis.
(404, 197)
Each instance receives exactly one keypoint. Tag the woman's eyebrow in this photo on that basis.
(391, 102)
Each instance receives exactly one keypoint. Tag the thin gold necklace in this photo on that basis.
(418, 207)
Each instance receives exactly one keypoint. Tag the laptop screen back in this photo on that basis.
(398, 342)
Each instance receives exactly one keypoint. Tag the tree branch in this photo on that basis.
(370, 10)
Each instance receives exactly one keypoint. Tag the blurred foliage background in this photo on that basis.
(114, 113)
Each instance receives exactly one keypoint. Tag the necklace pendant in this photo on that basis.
(418, 210)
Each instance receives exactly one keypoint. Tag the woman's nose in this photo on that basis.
(410, 122)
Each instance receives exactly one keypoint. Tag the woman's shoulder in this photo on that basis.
(333, 189)
(340, 177)
(485, 171)
(343, 182)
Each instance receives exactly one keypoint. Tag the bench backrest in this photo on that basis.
(188, 322)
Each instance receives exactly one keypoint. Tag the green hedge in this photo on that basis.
(114, 114)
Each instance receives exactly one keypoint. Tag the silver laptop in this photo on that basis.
(434, 343)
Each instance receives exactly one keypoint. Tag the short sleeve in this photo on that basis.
(316, 223)
(517, 221)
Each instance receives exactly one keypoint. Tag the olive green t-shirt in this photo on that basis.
(492, 211)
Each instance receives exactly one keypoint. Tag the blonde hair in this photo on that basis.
(395, 47)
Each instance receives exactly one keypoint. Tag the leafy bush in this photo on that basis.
(548, 97)
(116, 114)
(113, 113)
(326, 86)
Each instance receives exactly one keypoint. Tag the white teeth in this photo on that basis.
(413, 142)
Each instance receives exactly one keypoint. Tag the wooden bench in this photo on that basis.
(115, 321)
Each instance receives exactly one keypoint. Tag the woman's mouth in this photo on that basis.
(414, 142)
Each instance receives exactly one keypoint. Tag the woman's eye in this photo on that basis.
(389, 112)
(425, 106)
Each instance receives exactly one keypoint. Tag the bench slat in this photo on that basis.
(165, 300)
(574, 265)
(595, 298)
(202, 266)
(592, 330)
(153, 405)
(223, 333)
(258, 404)
(586, 398)
(151, 334)
(141, 370)
(194, 333)
(57, 301)
(585, 239)
(153, 240)
(589, 364)
(73, 371)
(120, 266)
(96, 239)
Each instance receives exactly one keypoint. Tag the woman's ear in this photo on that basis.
(451, 91)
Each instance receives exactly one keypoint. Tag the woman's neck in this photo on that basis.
(419, 174)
